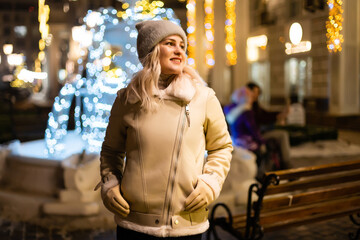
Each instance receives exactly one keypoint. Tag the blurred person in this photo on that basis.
(296, 115)
(267, 120)
(162, 123)
(241, 119)
(246, 133)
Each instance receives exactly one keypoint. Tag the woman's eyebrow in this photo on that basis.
(173, 40)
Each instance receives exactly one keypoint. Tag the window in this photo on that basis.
(260, 74)
(298, 73)
(20, 31)
(295, 7)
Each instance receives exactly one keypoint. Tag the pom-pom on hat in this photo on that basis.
(151, 32)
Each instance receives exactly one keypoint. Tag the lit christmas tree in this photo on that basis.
(109, 63)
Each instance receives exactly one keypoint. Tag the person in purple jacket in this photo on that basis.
(245, 132)
(241, 119)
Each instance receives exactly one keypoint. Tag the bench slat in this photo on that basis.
(316, 170)
(307, 220)
(294, 199)
(335, 206)
(314, 182)
(239, 221)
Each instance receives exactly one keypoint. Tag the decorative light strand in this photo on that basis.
(43, 17)
(149, 9)
(209, 33)
(334, 26)
(230, 45)
(191, 30)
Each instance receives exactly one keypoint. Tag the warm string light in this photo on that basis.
(107, 70)
(18, 82)
(191, 30)
(43, 17)
(209, 32)
(230, 45)
(150, 9)
(144, 7)
(334, 26)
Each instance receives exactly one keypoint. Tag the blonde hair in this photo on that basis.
(146, 80)
(145, 83)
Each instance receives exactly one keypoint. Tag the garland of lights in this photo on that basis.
(334, 26)
(230, 46)
(43, 17)
(209, 32)
(23, 77)
(146, 9)
(191, 29)
(107, 70)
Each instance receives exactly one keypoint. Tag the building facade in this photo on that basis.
(323, 80)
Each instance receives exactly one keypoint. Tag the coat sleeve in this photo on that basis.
(112, 155)
(218, 145)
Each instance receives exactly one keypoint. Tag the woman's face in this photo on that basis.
(172, 55)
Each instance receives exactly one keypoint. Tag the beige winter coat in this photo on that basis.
(165, 157)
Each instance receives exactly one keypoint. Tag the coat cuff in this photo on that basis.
(211, 180)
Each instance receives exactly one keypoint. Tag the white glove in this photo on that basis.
(201, 197)
(114, 202)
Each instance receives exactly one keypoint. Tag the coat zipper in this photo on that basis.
(168, 205)
(187, 112)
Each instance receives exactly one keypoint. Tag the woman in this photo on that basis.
(163, 122)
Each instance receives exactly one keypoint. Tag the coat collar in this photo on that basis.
(182, 88)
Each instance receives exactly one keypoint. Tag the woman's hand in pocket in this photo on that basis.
(201, 197)
(114, 202)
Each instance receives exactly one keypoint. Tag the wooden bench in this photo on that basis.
(295, 197)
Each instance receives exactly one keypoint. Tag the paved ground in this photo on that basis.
(26, 231)
(338, 229)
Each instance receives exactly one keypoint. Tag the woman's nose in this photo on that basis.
(177, 50)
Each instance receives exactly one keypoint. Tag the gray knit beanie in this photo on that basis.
(151, 32)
